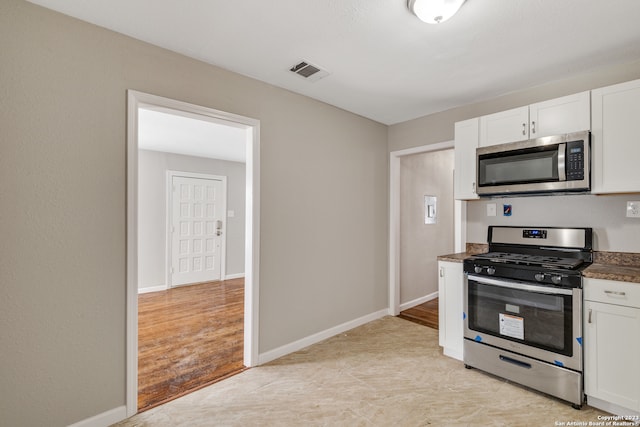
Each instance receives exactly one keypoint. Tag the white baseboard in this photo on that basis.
(152, 289)
(611, 408)
(320, 336)
(418, 301)
(104, 419)
(164, 287)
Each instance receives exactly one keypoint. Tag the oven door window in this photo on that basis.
(519, 166)
(536, 319)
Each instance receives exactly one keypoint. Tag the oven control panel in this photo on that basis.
(534, 234)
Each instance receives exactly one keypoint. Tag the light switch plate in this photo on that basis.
(491, 209)
(633, 209)
(430, 210)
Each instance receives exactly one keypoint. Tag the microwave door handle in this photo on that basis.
(519, 285)
(562, 158)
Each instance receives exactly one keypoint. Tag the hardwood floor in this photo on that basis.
(188, 337)
(425, 314)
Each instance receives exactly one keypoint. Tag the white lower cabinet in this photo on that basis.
(612, 345)
(450, 288)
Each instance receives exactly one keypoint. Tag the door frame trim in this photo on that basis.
(136, 99)
(169, 198)
(394, 219)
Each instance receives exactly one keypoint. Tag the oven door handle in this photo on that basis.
(520, 285)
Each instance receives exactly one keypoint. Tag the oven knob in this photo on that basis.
(539, 277)
(491, 270)
(556, 279)
(477, 269)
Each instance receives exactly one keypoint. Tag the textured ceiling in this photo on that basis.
(384, 63)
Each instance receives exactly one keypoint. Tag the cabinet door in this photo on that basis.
(466, 140)
(561, 115)
(612, 346)
(505, 126)
(614, 141)
(450, 326)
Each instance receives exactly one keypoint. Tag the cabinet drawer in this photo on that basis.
(612, 292)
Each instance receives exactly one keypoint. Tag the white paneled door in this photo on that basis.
(197, 209)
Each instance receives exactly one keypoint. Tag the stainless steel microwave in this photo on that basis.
(550, 164)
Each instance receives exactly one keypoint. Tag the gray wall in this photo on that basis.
(424, 174)
(612, 230)
(63, 87)
(605, 214)
(152, 211)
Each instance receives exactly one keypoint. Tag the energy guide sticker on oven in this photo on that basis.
(512, 326)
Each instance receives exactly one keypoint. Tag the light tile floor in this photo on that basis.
(389, 372)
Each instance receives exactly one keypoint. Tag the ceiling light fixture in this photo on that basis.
(434, 11)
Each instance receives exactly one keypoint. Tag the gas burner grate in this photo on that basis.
(532, 260)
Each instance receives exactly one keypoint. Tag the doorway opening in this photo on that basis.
(250, 129)
(459, 234)
(190, 327)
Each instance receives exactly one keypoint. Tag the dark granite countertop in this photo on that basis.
(621, 273)
(459, 257)
(620, 266)
(471, 249)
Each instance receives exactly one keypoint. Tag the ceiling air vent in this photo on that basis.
(309, 71)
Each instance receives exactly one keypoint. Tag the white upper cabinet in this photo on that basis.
(466, 140)
(561, 115)
(558, 116)
(615, 143)
(505, 126)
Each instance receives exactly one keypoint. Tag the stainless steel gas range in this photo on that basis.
(523, 308)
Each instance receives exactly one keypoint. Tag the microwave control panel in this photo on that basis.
(575, 161)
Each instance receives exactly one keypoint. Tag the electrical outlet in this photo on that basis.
(633, 209)
(491, 209)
